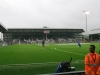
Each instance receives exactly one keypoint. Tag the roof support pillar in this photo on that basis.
(91, 37)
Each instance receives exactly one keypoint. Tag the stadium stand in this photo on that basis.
(58, 40)
(35, 35)
(94, 35)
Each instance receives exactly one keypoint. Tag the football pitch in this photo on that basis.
(30, 59)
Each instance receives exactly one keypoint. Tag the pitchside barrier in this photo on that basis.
(67, 73)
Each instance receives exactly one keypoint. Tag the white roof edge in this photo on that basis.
(44, 28)
(93, 32)
(95, 29)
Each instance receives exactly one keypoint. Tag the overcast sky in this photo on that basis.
(51, 13)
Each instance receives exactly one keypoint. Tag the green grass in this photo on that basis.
(24, 59)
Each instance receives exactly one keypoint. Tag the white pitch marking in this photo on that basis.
(68, 52)
(76, 61)
(79, 61)
(71, 44)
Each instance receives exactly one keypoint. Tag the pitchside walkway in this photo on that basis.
(67, 73)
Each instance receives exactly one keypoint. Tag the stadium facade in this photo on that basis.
(40, 33)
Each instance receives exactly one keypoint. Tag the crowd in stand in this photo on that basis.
(38, 41)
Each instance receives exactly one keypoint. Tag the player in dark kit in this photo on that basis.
(43, 42)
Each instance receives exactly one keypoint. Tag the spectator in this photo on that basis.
(92, 62)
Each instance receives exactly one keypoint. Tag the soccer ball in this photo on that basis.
(55, 48)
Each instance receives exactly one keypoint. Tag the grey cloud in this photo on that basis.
(51, 13)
